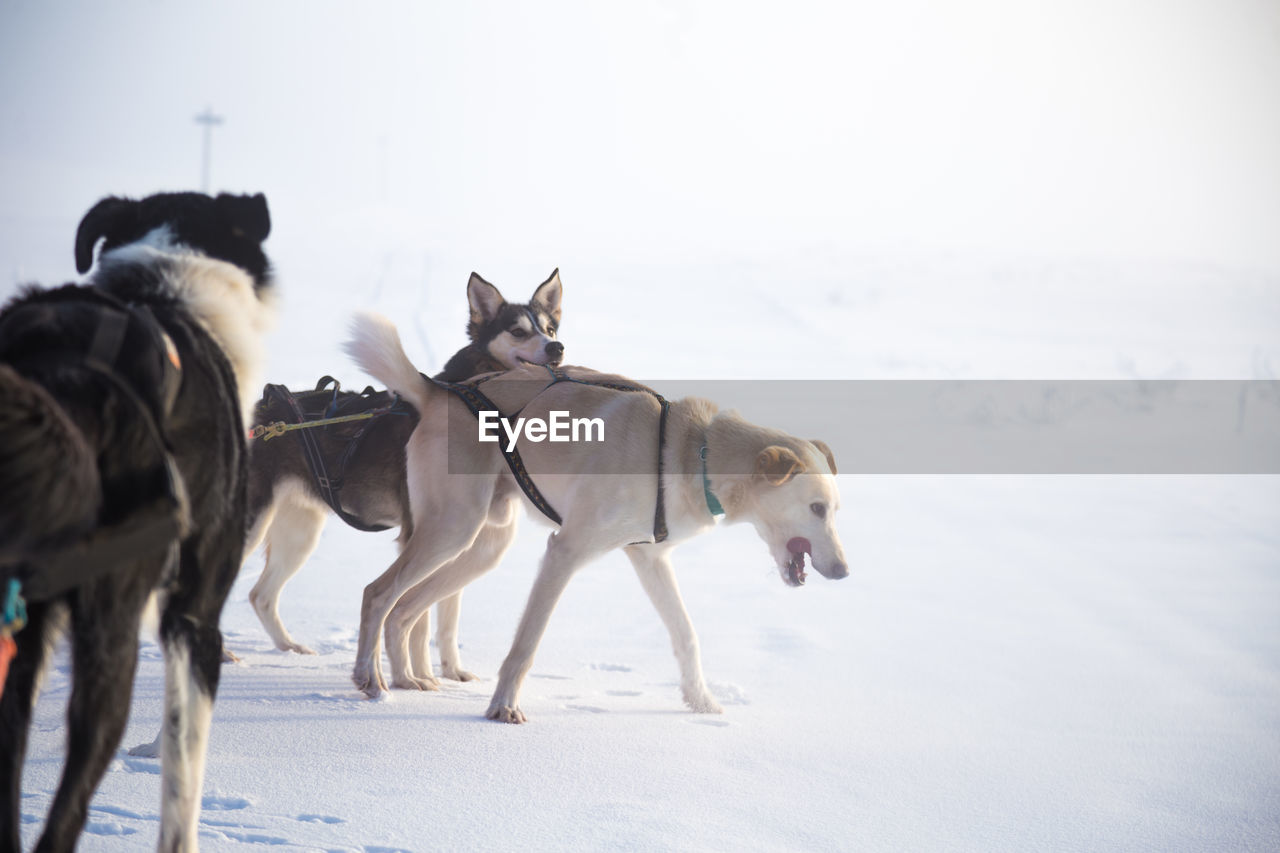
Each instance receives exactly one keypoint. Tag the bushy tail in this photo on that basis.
(49, 487)
(375, 347)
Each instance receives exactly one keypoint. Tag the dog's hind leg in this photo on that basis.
(444, 585)
(653, 566)
(448, 613)
(431, 546)
(188, 708)
(406, 634)
(291, 538)
(419, 641)
(104, 657)
(192, 646)
(15, 720)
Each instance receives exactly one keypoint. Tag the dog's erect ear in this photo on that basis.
(247, 213)
(103, 219)
(548, 295)
(777, 464)
(484, 299)
(826, 451)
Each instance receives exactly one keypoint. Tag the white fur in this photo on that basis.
(375, 346)
(221, 297)
(509, 350)
(291, 526)
(184, 737)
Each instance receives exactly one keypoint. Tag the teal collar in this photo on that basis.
(713, 503)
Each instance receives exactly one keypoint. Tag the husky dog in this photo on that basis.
(123, 471)
(686, 457)
(288, 507)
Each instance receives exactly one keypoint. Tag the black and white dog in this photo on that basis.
(123, 472)
(364, 462)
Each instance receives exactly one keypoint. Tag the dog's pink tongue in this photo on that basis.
(797, 548)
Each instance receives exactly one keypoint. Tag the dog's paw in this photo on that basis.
(369, 683)
(454, 674)
(414, 682)
(147, 750)
(505, 714)
(229, 656)
(297, 648)
(702, 702)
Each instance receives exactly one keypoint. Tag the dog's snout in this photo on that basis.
(555, 350)
(836, 571)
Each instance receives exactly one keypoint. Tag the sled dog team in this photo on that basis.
(125, 471)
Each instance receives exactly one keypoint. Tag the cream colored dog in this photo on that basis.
(464, 499)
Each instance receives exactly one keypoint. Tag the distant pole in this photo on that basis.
(382, 168)
(208, 119)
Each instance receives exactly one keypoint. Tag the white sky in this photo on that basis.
(1147, 129)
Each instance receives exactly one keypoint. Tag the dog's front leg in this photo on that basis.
(558, 565)
(653, 566)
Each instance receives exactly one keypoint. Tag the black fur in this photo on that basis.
(69, 409)
(490, 316)
(229, 227)
(374, 489)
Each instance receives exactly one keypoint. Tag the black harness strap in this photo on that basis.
(477, 402)
(164, 519)
(330, 486)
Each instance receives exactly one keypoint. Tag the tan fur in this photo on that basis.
(605, 495)
(777, 464)
(826, 451)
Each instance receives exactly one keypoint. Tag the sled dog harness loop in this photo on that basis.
(15, 608)
(477, 402)
(330, 485)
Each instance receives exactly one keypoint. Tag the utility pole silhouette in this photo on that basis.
(209, 120)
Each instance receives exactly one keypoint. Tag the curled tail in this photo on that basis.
(375, 347)
(48, 472)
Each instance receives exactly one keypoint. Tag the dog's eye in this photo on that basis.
(519, 334)
(818, 509)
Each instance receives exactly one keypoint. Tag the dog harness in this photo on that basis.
(54, 572)
(471, 396)
(338, 411)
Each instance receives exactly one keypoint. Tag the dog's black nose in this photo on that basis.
(837, 571)
(555, 350)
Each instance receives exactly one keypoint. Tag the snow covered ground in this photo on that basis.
(734, 191)
(1015, 663)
